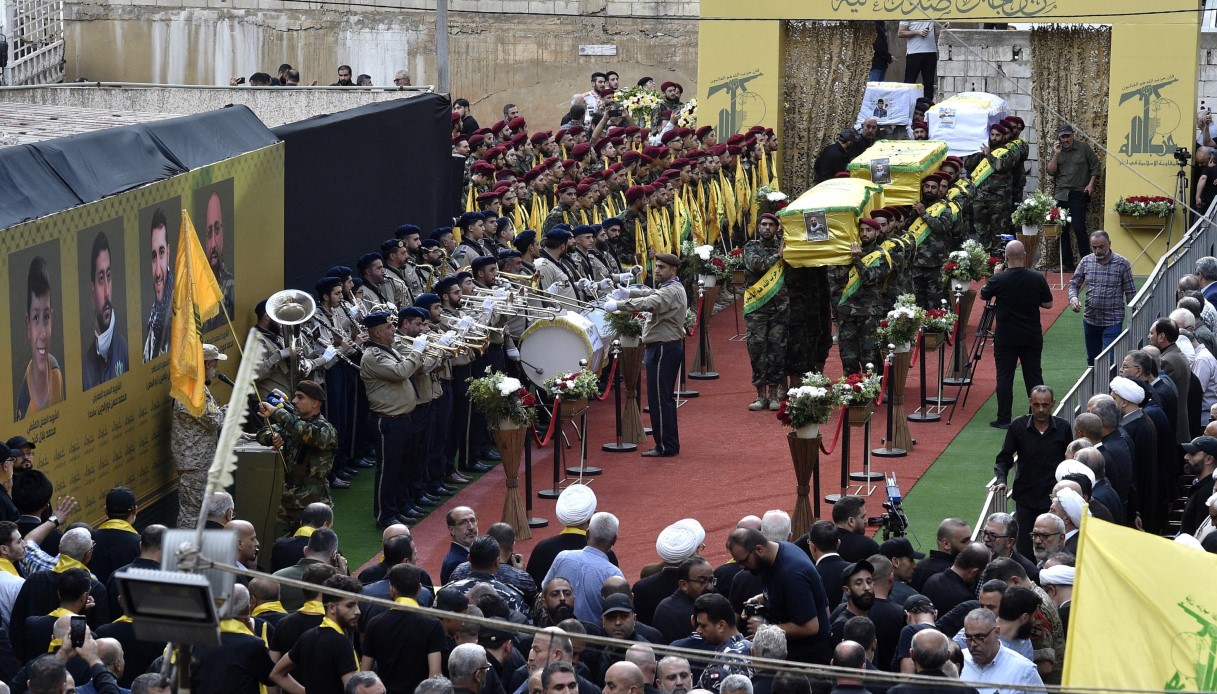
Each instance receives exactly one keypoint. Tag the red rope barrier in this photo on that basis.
(954, 333)
(609, 387)
(883, 382)
(841, 415)
(701, 300)
(553, 419)
(916, 352)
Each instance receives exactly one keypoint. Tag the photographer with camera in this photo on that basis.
(308, 443)
(793, 597)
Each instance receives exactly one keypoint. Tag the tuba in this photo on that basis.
(291, 308)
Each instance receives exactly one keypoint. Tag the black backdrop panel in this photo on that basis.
(51, 176)
(352, 178)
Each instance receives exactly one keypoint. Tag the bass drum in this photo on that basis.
(556, 346)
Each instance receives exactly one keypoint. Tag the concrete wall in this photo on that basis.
(521, 51)
(963, 67)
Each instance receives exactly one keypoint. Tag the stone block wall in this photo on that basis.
(500, 51)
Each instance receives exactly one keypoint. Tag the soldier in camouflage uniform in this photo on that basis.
(308, 443)
(1016, 126)
(932, 251)
(767, 325)
(561, 214)
(991, 205)
(193, 444)
(859, 314)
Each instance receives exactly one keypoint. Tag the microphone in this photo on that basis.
(226, 379)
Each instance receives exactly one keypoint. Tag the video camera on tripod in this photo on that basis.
(893, 522)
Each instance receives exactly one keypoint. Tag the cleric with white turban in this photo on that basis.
(1127, 389)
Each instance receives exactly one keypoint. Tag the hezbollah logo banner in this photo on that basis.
(770, 283)
(1145, 610)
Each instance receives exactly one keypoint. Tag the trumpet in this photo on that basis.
(478, 329)
(533, 281)
(573, 304)
(432, 349)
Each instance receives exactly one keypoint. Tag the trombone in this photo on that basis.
(532, 281)
(433, 348)
(565, 302)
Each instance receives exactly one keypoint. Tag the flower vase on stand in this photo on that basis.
(509, 438)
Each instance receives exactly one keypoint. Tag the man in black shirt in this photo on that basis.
(835, 157)
(1201, 460)
(674, 615)
(288, 550)
(849, 515)
(405, 647)
(953, 535)
(241, 663)
(1039, 440)
(958, 583)
(289, 629)
(1019, 295)
(794, 597)
(323, 659)
(32, 493)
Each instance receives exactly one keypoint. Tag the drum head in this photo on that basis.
(552, 347)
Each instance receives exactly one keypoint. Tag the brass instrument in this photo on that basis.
(533, 281)
(509, 306)
(291, 308)
(566, 302)
(433, 348)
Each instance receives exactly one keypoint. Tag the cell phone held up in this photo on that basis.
(77, 631)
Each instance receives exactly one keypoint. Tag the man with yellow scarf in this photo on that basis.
(117, 539)
(324, 659)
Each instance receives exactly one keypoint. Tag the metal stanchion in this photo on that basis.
(703, 372)
(620, 446)
(889, 450)
(583, 469)
(923, 413)
(533, 521)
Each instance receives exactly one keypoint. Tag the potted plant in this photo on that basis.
(708, 263)
(504, 401)
(627, 326)
(937, 323)
(901, 324)
(808, 406)
(735, 265)
(1032, 212)
(573, 390)
(858, 393)
(770, 200)
(969, 263)
(1145, 211)
(1052, 225)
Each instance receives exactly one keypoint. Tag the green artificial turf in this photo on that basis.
(954, 486)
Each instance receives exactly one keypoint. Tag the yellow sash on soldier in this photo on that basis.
(118, 524)
(759, 294)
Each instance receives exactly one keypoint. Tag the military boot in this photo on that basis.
(762, 400)
(779, 394)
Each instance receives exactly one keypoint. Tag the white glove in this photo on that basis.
(500, 293)
(420, 343)
(330, 354)
(610, 306)
(487, 305)
(513, 354)
(447, 339)
(621, 293)
(553, 288)
(585, 285)
(605, 284)
(465, 324)
(285, 353)
(623, 277)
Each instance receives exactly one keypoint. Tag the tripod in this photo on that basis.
(983, 332)
(1181, 198)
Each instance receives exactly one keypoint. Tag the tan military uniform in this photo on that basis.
(192, 443)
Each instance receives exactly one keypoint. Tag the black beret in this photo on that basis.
(407, 230)
(482, 261)
(366, 260)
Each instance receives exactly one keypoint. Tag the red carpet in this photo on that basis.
(732, 463)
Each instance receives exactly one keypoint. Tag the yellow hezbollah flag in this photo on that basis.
(1146, 611)
(196, 298)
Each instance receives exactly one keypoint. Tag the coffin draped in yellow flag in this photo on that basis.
(1144, 613)
(196, 298)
